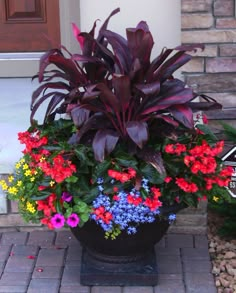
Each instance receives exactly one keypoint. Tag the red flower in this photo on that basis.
(102, 214)
(131, 172)
(47, 221)
(167, 179)
(186, 186)
(153, 204)
(47, 205)
(133, 200)
(115, 197)
(115, 188)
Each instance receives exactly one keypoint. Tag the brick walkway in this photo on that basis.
(49, 262)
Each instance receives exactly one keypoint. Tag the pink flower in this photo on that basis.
(73, 220)
(58, 221)
(66, 196)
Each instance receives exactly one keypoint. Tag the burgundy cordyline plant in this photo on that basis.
(122, 125)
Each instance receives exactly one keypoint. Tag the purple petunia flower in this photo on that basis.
(58, 221)
(73, 220)
(66, 196)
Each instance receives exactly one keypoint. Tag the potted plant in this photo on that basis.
(118, 153)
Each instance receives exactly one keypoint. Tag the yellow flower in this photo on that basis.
(52, 183)
(25, 166)
(10, 178)
(27, 173)
(18, 165)
(42, 159)
(19, 183)
(4, 185)
(30, 207)
(215, 198)
(32, 179)
(12, 190)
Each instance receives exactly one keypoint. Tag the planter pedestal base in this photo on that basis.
(101, 270)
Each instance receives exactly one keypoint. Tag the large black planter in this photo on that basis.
(128, 260)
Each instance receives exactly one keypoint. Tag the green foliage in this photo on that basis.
(229, 131)
(228, 212)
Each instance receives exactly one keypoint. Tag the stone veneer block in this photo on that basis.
(196, 21)
(196, 6)
(226, 23)
(228, 50)
(208, 36)
(214, 65)
(226, 99)
(217, 82)
(194, 65)
(223, 7)
(209, 51)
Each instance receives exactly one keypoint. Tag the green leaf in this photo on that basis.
(207, 131)
(125, 160)
(151, 174)
(66, 205)
(68, 212)
(80, 152)
(58, 206)
(72, 179)
(229, 131)
(84, 217)
(44, 195)
(101, 168)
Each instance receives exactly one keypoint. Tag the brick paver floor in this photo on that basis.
(49, 262)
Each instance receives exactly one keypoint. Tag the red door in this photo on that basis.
(29, 25)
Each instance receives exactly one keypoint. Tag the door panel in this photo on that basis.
(29, 25)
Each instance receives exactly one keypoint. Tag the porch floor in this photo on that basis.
(49, 262)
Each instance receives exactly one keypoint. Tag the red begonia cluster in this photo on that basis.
(122, 176)
(31, 140)
(102, 214)
(47, 206)
(59, 169)
(55, 166)
(200, 161)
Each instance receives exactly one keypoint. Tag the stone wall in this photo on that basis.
(212, 71)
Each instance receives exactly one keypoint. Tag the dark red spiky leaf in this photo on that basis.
(104, 143)
(154, 158)
(140, 42)
(39, 103)
(76, 32)
(121, 84)
(54, 102)
(104, 25)
(120, 49)
(69, 67)
(183, 114)
(149, 88)
(138, 132)
(171, 65)
(44, 61)
(79, 116)
(49, 85)
(165, 102)
(108, 98)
